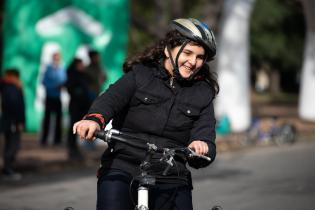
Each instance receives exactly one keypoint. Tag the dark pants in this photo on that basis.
(11, 146)
(113, 194)
(52, 106)
(77, 110)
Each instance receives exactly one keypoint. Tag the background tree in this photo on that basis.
(307, 99)
(150, 19)
(233, 100)
(277, 36)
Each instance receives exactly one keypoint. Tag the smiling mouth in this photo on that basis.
(188, 69)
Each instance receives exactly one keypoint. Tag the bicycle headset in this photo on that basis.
(195, 31)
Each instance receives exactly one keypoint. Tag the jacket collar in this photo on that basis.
(162, 73)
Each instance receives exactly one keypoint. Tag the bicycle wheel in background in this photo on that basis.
(286, 134)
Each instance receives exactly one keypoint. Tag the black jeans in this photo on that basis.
(11, 147)
(77, 110)
(113, 193)
(52, 106)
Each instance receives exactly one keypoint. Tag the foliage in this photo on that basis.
(277, 34)
(150, 19)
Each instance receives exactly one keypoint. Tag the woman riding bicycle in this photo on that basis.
(165, 97)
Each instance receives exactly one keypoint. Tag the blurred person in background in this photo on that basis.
(78, 89)
(96, 74)
(53, 80)
(166, 97)
(13, 119)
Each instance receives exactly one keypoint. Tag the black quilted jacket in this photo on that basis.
(145, 103)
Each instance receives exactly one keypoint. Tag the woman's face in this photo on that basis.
(190, 59)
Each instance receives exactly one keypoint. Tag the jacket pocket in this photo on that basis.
(146, 98)
(189, 111)
(187, 114)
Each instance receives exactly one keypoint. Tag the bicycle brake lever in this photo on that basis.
(192, 154)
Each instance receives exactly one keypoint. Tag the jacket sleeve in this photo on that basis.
(204, 130)
(113, 100)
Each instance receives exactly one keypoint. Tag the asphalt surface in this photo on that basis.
(260, 178)
(277, 178)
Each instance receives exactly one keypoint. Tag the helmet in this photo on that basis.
(197, 31)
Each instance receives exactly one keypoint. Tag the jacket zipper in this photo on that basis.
(172, 82)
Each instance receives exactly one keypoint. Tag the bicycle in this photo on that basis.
(145, 181)
(271, 131)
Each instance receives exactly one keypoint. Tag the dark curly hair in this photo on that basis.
(155, 53)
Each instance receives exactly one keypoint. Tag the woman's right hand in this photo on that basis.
(86, 129)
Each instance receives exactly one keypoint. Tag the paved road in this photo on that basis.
(277, 178)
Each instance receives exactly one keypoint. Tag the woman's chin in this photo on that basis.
(185, 75)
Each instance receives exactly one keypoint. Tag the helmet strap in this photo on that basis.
(171, 57)
(176, 73)
(180, 51)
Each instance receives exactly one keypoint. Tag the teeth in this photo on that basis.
(187, 68)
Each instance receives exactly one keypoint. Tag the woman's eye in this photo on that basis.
(201, 57)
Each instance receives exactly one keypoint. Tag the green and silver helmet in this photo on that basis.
(197, 31)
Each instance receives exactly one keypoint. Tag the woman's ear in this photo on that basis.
(167, 55)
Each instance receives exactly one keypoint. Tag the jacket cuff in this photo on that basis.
(98, 118)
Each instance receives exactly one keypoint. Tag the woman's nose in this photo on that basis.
(193, 60)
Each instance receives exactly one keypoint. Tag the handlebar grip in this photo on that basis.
(204, 157)
(108, 135)
(100, 134)
(198, 161)
(193, 154)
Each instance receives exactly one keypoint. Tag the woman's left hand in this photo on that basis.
(200, 147)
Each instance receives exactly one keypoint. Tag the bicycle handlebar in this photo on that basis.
(168, 155)
(116, 135)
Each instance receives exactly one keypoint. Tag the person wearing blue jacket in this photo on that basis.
(54, 79)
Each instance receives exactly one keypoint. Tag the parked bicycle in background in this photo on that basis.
(271, 130)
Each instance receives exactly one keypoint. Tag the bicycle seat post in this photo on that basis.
(143, 198)
(145, 181)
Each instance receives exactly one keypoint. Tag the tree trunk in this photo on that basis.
(307, 99)
(275, 82)
(233, 64)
